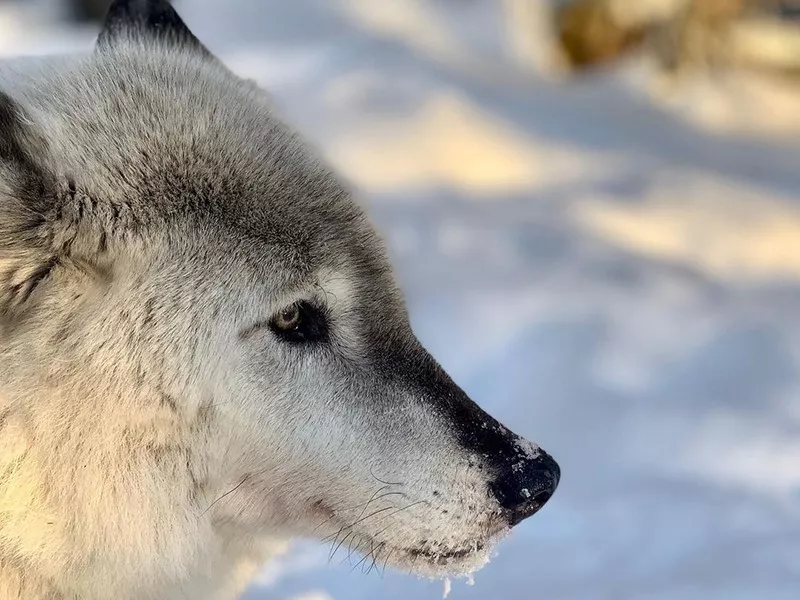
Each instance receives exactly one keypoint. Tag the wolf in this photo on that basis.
(203, 350)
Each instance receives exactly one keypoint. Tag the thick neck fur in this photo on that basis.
(55, 487)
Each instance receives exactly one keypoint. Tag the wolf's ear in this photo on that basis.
(45, 219)
(27, 199)
(26, 183)
(147, 19)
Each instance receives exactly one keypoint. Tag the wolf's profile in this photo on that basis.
(202, 349)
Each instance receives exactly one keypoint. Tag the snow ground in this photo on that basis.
(617, 278)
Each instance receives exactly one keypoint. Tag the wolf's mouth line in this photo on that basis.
(444, 555)
(437, 557)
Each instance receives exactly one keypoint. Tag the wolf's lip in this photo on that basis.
(439, 557)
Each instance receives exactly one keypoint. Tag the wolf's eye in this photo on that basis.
(287, 320)
(301, 322)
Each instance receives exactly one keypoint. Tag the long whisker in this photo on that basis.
(335, 537)
(375, 557)
(360, 562)
(381, 480)
(372, 514)
(228, 493)
(386, 562)
(351, 533)
(358, 506)
(371, 498)
(339, 545)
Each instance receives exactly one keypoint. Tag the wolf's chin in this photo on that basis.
(437, 564)
(426, 559)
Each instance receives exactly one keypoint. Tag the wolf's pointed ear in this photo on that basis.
(24, 178)
(27, 198)
(46, 219)
(147, 19)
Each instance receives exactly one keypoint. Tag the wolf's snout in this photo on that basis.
(518, 475)
(526, 486)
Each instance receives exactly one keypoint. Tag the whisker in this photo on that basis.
(386, 562)
(381, 480)
(373, 500)
(350, 551)
(359, 563)
(374, 551)
(375, 558)
(363, 506)
(333, 543)
(228, 493)
(372, 514)
(322, 523)
(378, 491)
(356, 549)
(339, 545)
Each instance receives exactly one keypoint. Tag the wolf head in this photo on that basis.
(200, 331)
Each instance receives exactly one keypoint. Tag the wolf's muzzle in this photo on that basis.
(526, 486)
(519, 474)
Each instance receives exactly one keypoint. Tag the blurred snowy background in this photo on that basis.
(607, 260)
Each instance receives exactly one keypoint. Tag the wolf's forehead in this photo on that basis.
(154, 111)
(175, 138)
(160, 140)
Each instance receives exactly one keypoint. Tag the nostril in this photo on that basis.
(526, 509)
(542, 497)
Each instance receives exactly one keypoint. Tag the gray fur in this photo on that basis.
(158, 437)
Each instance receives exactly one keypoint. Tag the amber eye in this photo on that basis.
(288, 319)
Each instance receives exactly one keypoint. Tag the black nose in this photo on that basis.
(526, 485)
